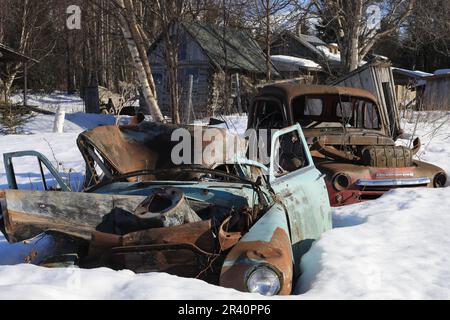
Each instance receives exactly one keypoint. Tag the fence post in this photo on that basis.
(238, 94)
(58, 126)
(189, 99)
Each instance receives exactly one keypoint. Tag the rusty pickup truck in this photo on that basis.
(349, 139)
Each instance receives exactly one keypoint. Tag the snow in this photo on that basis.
(392, 248)
(289, 62)
(51, 102)
(330, 55)
(442, 71)
(413, 73)
(395, 247)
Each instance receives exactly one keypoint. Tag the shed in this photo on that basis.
(8, 55)
(409, 85)
(436, 95)
(376, 77)
(211, 55)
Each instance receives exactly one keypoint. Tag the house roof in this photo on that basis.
(289, 63)
(312, 39)
(229, 48)
(310, 42)
(10, 55)
(416, 74)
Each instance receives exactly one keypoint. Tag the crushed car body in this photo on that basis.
(349, 139)
(237, 224)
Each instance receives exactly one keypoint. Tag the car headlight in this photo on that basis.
(341, 181)
(264, 280)
(440, 180)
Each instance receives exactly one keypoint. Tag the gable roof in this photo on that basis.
(312, 40)
(229, 48)
(10, 55)
(307, 41)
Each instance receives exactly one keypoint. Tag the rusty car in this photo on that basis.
(238, 224)
(349, 137)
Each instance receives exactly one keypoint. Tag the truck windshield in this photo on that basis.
(315, 111)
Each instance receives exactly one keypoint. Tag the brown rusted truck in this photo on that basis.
(349, 139)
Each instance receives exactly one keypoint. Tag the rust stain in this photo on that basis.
(246, 255)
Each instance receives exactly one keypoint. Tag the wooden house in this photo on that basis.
(212, 55)
(288, 43)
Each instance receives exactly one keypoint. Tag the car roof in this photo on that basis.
(292, 90)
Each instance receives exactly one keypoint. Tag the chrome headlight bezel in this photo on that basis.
(440, 180)
(341, 181)
(264, 270)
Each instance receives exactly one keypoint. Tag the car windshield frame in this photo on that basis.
(329, 113)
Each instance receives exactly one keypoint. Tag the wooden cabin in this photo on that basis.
(212, 55)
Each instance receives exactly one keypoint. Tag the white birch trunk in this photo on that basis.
(152, 103)
(58, 126)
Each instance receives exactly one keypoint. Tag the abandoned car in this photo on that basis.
(348, 137)
(238, 224)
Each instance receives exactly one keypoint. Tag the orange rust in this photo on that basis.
(196, 233)
(228, 239)
(276, 253)
(291, 90)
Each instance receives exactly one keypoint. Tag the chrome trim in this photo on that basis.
(393, 182)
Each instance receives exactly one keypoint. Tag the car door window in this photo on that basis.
(289, 154)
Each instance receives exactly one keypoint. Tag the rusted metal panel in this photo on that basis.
(267, 243)
(29, 213)
(148, 146)
(355, 172)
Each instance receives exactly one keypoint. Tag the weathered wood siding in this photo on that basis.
(193, 61)
(436, 95)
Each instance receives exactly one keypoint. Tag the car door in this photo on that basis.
(50, 177)
(300, 187)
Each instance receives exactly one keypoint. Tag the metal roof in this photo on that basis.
(229, 48)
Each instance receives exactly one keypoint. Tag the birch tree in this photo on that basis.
(136, 47)
(22, 26)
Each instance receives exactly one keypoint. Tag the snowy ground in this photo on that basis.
(51, 102)
(392, 248)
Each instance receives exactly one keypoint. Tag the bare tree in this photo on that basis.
(266, 14)
(22, 26)
(355, 33)
(136, 46)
